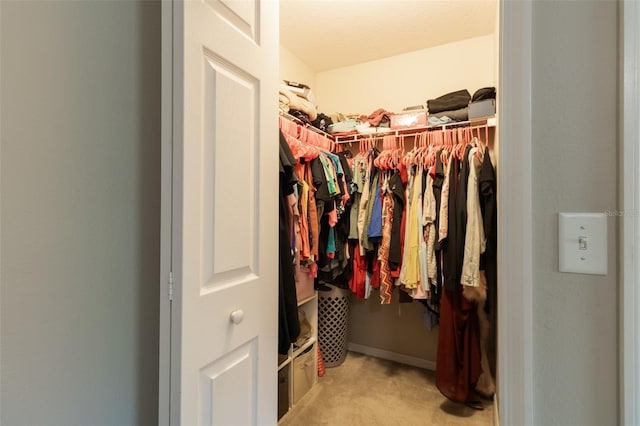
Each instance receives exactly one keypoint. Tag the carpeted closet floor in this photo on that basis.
(370, 391)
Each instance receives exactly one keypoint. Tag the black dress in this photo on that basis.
(288, 322)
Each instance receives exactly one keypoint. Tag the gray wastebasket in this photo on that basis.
(333, 325)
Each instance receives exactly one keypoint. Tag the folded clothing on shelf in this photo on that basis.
(322, 122)
(379, 117)
(484, 93)
(339, 116)
(461, 114)
(367, 129)
(343, 126)
(301, 90)
(301, 116)
(290, 100)
(439, 121)
(449, 102)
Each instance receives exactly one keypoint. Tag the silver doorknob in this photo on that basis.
(236, 317)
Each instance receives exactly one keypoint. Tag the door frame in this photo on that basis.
(514, 215)
(515, 323)
(515, 250)
(166, 213)
(629, 227)
(515, 339)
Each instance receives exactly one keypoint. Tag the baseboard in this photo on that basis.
(392, 356)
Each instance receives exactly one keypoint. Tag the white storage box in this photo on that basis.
(305, 372)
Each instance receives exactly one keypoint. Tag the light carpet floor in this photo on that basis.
(370, 391)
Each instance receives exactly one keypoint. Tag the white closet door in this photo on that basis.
(224, 212)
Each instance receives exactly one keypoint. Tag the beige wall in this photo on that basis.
(575, 148)
(408, 79)
(293, 69)
(80, 217)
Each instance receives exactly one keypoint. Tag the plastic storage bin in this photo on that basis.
(304, 283)
(333, 323)
(409, 119)
(480, 109)
(283, 391)
(304, 372)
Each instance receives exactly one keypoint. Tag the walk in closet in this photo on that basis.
(453, 46)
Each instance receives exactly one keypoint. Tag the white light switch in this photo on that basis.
(582, 243)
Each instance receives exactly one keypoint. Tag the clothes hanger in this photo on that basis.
(462, 145)
(388, 143)
(420, 152)
(462, 142)
(446, 136)
(396, 152)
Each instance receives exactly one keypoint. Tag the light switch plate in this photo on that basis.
(582, 243)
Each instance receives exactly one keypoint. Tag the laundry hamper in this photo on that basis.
(333, 324)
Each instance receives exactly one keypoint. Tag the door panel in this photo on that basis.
(242, 15)
(227, 378)
(224, 216)
(229, 169)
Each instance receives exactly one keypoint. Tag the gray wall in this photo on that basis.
(80, 196)
(575, 149)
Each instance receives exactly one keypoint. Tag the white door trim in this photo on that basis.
(166, 203)
(515, 387)
(630, 219)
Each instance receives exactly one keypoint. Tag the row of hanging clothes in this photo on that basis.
(419, 223)
(424, 222)
(316, 188)
(402, 207)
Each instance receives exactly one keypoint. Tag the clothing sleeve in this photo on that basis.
(487, 185)
(287, 163)
(348, 176)
(474, 234)
(319, 180)
(395, 250)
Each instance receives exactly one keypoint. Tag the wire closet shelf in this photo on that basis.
(417, 131)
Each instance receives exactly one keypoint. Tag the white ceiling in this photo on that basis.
(327, 34)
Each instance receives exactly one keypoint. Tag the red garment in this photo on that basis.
(333, 217)
(375, 276)
(458, 361)
(313, 270)
(345, 193)
(357, 281)
(321, 368)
